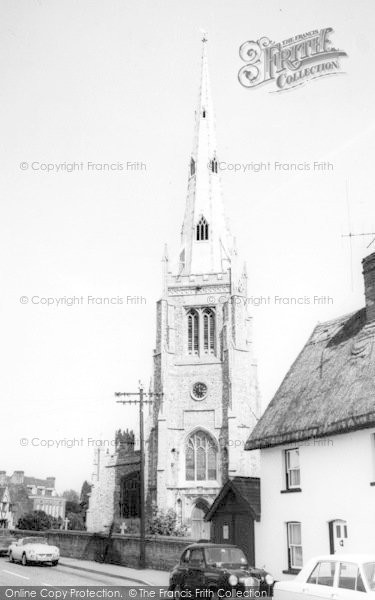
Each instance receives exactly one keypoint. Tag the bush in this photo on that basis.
(37, 520)
(165, 523)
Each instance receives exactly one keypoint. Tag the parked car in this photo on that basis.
(5, 542)
(218, 568)
(34, 550)
(337, 576)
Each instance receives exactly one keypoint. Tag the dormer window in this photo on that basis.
(192, 167)
(214, 165)
(202, 230)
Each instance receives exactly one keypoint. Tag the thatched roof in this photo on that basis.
(330, 388)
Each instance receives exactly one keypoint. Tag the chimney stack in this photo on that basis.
(3, 477)
(368, 264)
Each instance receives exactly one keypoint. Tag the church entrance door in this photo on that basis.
(200, 530)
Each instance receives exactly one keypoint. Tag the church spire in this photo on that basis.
(205, 238)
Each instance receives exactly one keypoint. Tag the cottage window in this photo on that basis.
(293, 475)
(200, 458)
(373, 458)
(294, 545)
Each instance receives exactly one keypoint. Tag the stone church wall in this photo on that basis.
(161, 552)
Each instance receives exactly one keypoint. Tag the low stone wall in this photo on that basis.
(162, 552)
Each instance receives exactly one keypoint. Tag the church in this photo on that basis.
(206, 398)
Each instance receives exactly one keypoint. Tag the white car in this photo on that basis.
(336, 576)
(34, 550)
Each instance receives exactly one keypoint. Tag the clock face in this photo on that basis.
(199, 390)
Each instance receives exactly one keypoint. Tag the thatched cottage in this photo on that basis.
(317, 442)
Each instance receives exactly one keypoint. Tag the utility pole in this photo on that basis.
(142, 509)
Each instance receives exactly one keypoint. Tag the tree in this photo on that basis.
(56, 523)
(84, 499)
(72, 507)
(85, 492)
(37, 520)
(76, 521)
(71, 496)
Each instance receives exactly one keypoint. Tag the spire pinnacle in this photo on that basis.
(205, 238)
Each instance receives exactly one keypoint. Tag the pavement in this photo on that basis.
(139, 576)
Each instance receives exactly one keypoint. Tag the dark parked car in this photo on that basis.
(5, 542)
(218, 568)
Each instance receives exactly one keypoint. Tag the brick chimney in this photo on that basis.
(368, 264)
(3, 477)
(50, 482)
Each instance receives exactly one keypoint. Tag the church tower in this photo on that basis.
(205, 378)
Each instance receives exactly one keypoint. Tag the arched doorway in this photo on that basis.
(130, 496)
(200, 530)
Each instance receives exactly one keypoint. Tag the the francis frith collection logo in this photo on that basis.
(289, 63)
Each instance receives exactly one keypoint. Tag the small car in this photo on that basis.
(338, 576)
(219, 569)
(5, 542)
(34, 550)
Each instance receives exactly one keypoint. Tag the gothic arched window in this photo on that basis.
(202, 230)
(130, 496)
(193, 331)
(209, 331)
(200, 457)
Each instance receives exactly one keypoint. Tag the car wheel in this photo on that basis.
(24, 560)
(55, 563)
(176, 589)
(213, 593)
(11, 559)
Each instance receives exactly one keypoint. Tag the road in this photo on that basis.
(14, 574)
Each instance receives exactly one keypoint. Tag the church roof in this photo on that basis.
(245, 488)
(330, 388)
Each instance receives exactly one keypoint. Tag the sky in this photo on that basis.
(117, 82)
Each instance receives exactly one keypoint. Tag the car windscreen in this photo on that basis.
(369, 569)
(224, 557)
(35, 540)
